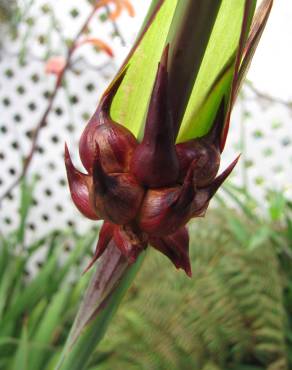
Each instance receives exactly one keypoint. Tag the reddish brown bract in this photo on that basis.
(146, 192)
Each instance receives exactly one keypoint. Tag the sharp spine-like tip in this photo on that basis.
(79, 188)
(218, 181)
(215, 133)
(154, 161)
(67, 157)
(176, 247)
(158, 116)
(105, 236)
(189, 272)
(203, 195)
(164, 58)
(103, 109)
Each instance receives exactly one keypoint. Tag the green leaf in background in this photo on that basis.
(48, 326)
(229, 315)
(36, 311)
(36, 315)
(21, 358)
(25, 204)
(130, 103)
(220, 52)
(276, 205)
(6, 283)
(30, 296)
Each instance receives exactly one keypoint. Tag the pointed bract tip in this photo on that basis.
(215, 185)
(215, 133)
(67, 157)
(176, 247)
(188, 270)
(78, 184)
(164, 57)
(113, 87)
(160, 88)
(88, 267)
(103, 110)
(70, 169)
(105, 236)
(155, 162)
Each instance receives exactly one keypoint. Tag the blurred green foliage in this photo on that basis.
(37, 309)
(234, 314)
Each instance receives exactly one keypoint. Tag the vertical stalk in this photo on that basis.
(106, 290)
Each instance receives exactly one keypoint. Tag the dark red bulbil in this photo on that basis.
(147, 192)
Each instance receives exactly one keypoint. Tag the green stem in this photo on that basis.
(108, 286)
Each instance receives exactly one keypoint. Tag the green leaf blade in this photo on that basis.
(130, 103)
(221, 50)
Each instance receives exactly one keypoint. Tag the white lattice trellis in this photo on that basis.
(23, 97)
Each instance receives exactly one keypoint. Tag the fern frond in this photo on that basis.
(229, 313)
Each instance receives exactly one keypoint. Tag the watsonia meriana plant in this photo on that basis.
(152, 148)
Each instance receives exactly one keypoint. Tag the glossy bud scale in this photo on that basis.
(116, 143)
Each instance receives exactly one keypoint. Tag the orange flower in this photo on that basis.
(119, 6)
(56, 64)
(98, 43)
